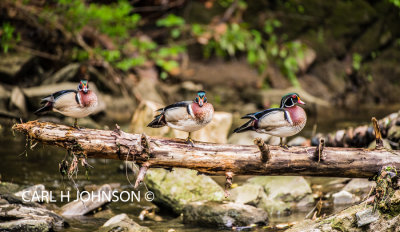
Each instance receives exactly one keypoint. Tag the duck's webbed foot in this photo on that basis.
(189, 140)
(285, 146)
(76, 124)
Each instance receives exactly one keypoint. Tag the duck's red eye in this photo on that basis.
(294, 96)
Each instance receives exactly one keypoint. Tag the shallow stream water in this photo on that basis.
(40, 166)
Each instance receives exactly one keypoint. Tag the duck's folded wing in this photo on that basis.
(65, 100)
(54, 96)
(273, 118)
(178, 111)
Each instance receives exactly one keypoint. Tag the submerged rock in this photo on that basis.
(223, 215)
(88, 203)
(32, 193)
(359, 185)
(180, 187)
(122, 222)
(18, 215)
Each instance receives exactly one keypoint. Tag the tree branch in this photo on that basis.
(211, 158)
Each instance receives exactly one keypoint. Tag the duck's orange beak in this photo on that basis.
(300, 101)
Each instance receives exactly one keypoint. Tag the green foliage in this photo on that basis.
(238, 38)
(114, 20)
(8, 37)
(117, 21)
(173, 22)
(357, 58)
(395, 2)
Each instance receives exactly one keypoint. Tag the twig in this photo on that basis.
(142, 174)
(231, 9)
(378, 135)
(228, 183)
(37, 52)
(319, 150)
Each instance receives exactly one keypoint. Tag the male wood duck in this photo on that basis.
(287, 120)
(73, 103)
(186, 116)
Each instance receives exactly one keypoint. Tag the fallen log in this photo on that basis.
(212, 158)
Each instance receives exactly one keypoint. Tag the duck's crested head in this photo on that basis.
(290, 100)
(201, 98)
(83, 86)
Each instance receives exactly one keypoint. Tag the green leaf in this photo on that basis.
(170, 21)
(197, 29)
(126, 64)
(163, 75)
(175, 33)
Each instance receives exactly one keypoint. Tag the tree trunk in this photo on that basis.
(211, 158)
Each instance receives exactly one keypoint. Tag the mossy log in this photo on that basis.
(212, 158)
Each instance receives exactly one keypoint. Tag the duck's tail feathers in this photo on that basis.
(48, 106)
(48, 103)
(158, 121)
(250, 116)
(245, 127)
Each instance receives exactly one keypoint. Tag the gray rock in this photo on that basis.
(347, 220)
(122, 222)
(223, 215)
(280, 192)
(306, 60)
(64, 74)
(143, 115)
(250, 194)
(274, 206)
(343, 198)
(180, 187)
(146, 88)
(7, 187)
(394, 133)
(386, 144)
(366, 217)
(297, 141)
(26, 218)
(286, 188)
(4, 94)
(87, 203)
(359, 185)
(11, 63)
(216, 131)
(18, 100)
(33, 193)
